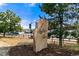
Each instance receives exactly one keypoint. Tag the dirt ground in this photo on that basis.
(15, 41)
(19, 46)
(51, 50)
(6, 42)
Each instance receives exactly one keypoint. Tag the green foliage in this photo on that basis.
(49, 34)
(52, 24)
(9, 22)
(66, 33)
(56, 10)
(63, 12)
(73, 34)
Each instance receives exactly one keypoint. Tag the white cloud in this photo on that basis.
(2, 4)
(32, 4)
(35, 20)
(25, 24)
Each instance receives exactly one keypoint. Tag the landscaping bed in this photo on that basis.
(51, 50)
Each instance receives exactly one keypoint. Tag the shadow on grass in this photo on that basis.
(51, 50)
(7, 37)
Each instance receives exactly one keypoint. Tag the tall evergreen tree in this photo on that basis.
(56, 10)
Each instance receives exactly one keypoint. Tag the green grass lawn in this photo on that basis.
(72, 47)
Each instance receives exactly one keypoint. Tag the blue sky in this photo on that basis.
(28, 12)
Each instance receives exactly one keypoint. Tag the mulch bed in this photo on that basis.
(27, 50)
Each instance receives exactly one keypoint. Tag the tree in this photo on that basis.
(56, 10)
(76, 24)
(3, 23)
(9, 22)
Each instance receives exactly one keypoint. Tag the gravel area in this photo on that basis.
(4, 51)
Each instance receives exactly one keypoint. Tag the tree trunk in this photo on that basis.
(61, 29)
(78, 41)
(4, 34)
(60, 35)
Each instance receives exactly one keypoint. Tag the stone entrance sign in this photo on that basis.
(40, 35)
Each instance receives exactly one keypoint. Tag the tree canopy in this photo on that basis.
(9, 22)
(61, 13)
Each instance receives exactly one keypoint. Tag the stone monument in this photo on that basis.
(40, 35)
